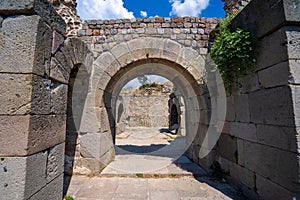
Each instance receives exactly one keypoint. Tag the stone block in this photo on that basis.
(242, 174)
(108, 63)
(230, 113)
(273, 49)
(278, 136)
(295, 71)
(87, 166)
(46, 131)
(27, 134)
(14, 134)
(282, 169)
(242, 110)
(55, 162)
(52, 191)
(24, 94)
(58, 72)
(16, 7)
(272, 106)
(267, 189)
(296, 101)
(136, 48)
(57, 41)
(293, 47)
(171, 50)
(284, 12)
(250, 83)
(241, 152)
(228, 147)
(40, 7)
(21, 177)
(244, 131)
(154, 47)
(95, 145)
(59, 98)
(187, 57)
(276, 75)
(28, 38)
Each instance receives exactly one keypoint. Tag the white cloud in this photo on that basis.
(143, 14)
(188, 7)
(102, 9)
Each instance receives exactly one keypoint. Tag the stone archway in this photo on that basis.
(184, 66)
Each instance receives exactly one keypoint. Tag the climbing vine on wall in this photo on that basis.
(234, 52)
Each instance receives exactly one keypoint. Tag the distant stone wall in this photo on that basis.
(233, 6)
(144, 110)
(67, 10)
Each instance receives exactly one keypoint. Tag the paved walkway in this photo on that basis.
(150, 165)
(119, 188)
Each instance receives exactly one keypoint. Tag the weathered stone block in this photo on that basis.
(24, 94)
(30, 134)
(108, 63)
(293, 47)
(171, 50)
(136, 48)
(46, 131)
(55, 162)
(16, 7)
(278, 136)
(240, 152)
(154, 47)
(242, 174)
(273, 49)
(272, 106)
(276, 75)
(52, 191)
(59, 98)
(244, 131)
(285, 11)
(260, 159)
(14, 134)
(58, 71)
(21, 177)
(230, 113)
(295, 71)
(242, 110)
(228, 147)
(57, 41)
(267, 189)
(250, 83)
(296, 102)
(28, 38)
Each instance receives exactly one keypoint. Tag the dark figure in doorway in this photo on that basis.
(174, 113)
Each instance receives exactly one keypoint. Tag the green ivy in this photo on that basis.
(234, 52)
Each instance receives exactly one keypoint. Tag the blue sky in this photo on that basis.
(116, 9)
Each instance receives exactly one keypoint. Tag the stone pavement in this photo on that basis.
(121, 188)
(150, 165)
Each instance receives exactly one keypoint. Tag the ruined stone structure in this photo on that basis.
(233, 6)
(67, 10)
(52, 83)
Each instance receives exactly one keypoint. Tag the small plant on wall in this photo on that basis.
(234, 52)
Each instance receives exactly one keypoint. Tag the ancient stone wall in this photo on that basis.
(259, 145)
(233, 6)
(32, 104)
(188, 31)
(67, 10)
(146, 110)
